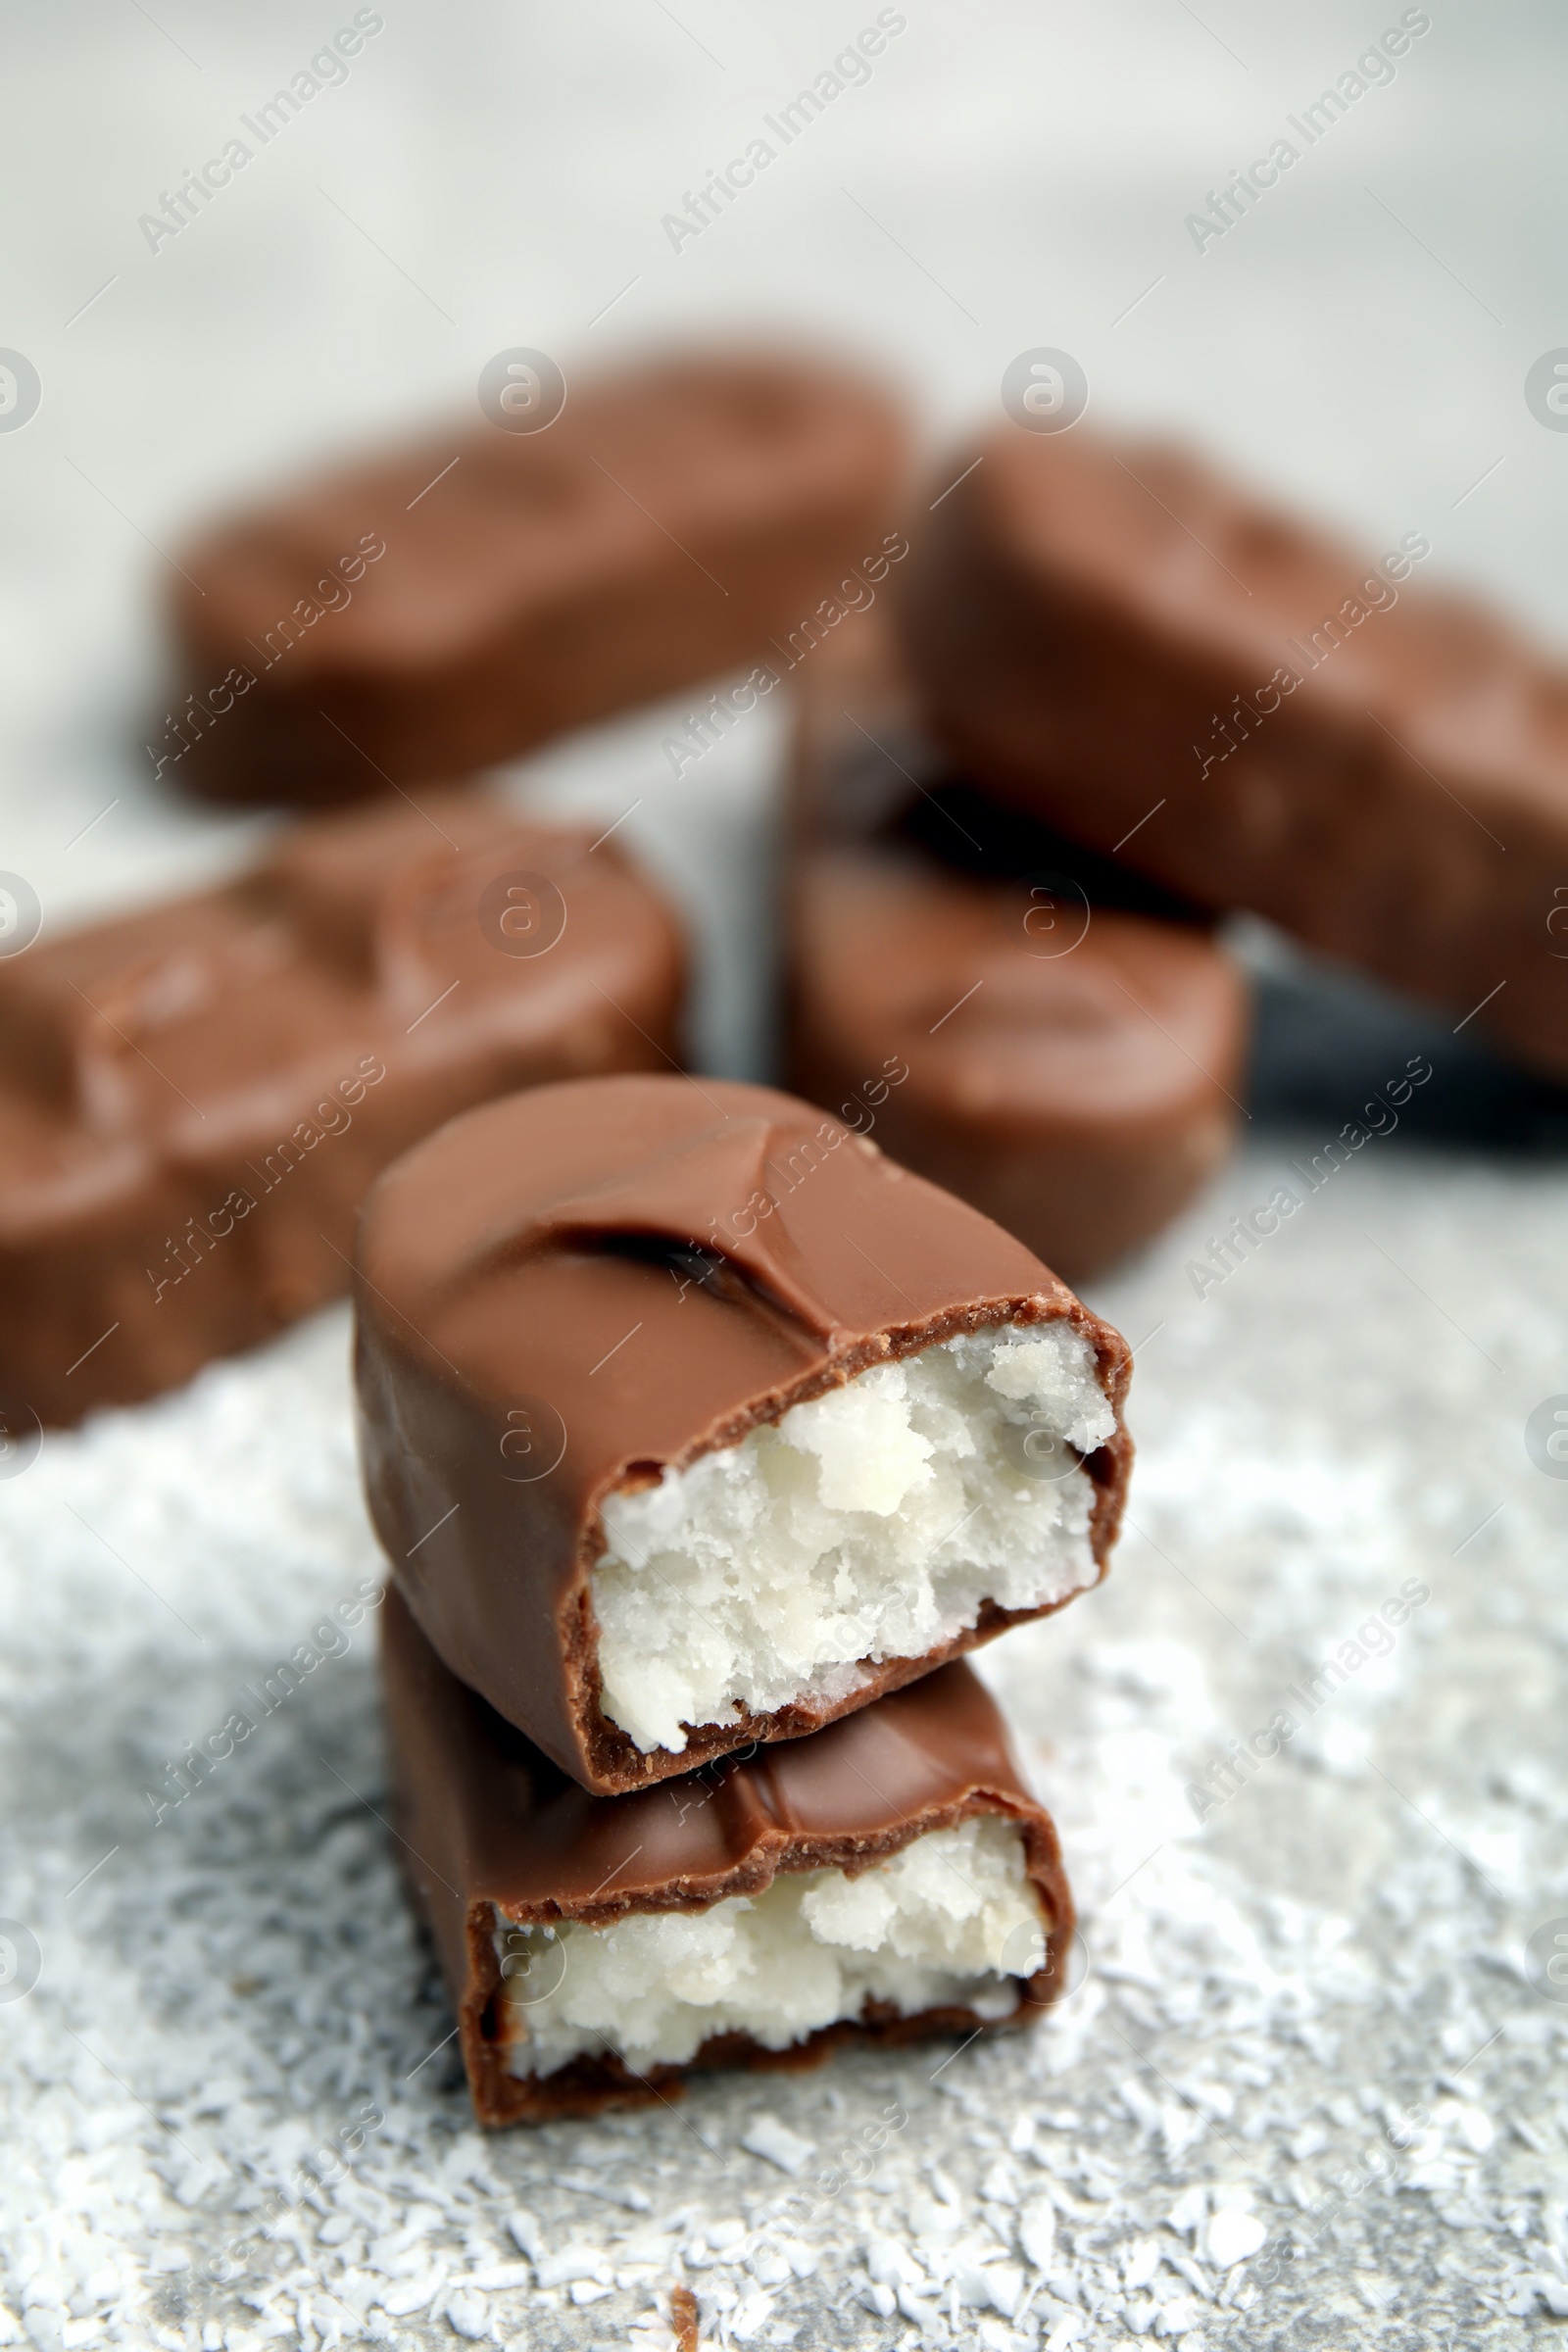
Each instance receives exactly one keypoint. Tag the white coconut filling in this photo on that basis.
(951, 1920)
(870, 1523)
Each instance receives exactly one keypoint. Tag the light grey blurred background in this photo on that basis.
(1345, 1412)
(1007, 177)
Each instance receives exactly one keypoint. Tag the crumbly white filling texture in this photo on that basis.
(951, 1920)
(869, 1523)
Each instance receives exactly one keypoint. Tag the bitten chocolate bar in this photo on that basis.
(887, 1877)
(688, 1419)
(196, 1097)
(451, 604)
(1056, 1041)
(1253, 714)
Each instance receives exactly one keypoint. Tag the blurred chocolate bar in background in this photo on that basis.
(450, 605)
(1131, 647)
(197, 1096)
(1047, 1034)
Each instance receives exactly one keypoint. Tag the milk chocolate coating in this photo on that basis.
(1074, 1066)
(486, 1823)
(1101, 628)
(196, 1097)
(668, 526)
(571, 1291)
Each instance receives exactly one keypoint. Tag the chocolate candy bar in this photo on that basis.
(1057, 1042)
(688, 1419)
(197, 1096)
(887, 1877)
(450, 604)
(1250, 713)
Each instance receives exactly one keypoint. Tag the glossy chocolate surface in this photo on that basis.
(1073, 1039)
(1148, 656)
(486, 1823)
(576, 1289)
(197, 1096)
(450, 605)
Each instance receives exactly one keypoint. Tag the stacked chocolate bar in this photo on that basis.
(704, 1432)
(703, 1440)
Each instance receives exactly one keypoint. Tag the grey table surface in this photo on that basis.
(1309, 2087)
